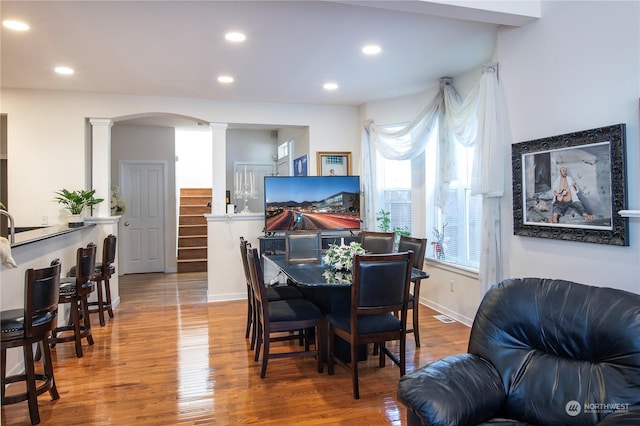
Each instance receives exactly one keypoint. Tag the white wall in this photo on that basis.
(577, 68)
(300, 135)
(249, 146)
(141, 143)
(193, 164)
(229, 283)
(47, 135)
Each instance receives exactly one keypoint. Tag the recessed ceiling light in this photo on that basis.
(330, 86)
(371, 49)
(225, 79)
(15, 25)
(235, 37)
(64, 70)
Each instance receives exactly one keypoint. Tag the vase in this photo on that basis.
(75, 220)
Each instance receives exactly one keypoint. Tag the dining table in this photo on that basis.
(316, 275)
(327, 288)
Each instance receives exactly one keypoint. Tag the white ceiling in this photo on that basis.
(177, 48)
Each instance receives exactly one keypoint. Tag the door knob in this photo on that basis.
(126, 224)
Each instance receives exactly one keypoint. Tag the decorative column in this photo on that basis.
(101, 164)
(218, 207)
(219, 166)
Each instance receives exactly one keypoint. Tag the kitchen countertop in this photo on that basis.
(39, 234)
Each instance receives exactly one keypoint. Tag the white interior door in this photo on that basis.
(141, 230)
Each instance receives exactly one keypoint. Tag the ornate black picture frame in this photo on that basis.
(572, 186)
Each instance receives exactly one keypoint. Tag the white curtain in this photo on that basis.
(403, 144)
(480, 120)
(492, 143)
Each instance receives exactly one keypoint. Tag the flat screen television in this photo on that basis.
(311, 202)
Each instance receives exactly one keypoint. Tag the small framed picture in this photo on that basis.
(300, 166)
(334, 163)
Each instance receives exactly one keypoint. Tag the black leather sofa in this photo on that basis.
(541, 352)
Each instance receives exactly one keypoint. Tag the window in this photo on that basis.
(395, 179)
(461, 218)
(283, 150)
(285, 161)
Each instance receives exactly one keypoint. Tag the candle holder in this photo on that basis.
(245, 188)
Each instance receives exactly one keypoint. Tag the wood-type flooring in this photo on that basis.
(170, 358)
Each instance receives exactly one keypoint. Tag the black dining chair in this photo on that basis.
(377, 242)
(273, 293)
(419, 247)
(250, 325)
(31, 325)
(380, 288)
(281, 316)
(303, 246)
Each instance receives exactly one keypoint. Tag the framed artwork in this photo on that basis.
(334, 163)
(571, 187)
(300, 166)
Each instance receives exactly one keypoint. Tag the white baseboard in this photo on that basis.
(226, 297)
(448, 312)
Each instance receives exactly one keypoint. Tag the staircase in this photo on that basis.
(192, 229)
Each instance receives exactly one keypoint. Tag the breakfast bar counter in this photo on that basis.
(36, 249)
(41, 233)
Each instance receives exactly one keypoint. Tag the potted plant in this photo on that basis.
(384, 224)
(76, 202)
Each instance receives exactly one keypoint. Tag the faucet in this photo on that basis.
(12, 228)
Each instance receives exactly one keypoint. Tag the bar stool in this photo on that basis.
(104, 271)
(75, 291)
(23, 328)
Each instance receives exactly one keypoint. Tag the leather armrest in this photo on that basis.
(625, 417)
(456, 390)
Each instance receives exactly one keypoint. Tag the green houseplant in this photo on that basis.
(384, 224)
(76, 202)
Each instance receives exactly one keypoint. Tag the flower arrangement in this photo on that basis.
(337, 277)
(340, 257)
(118, 205)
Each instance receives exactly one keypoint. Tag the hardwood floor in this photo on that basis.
(170, 358)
